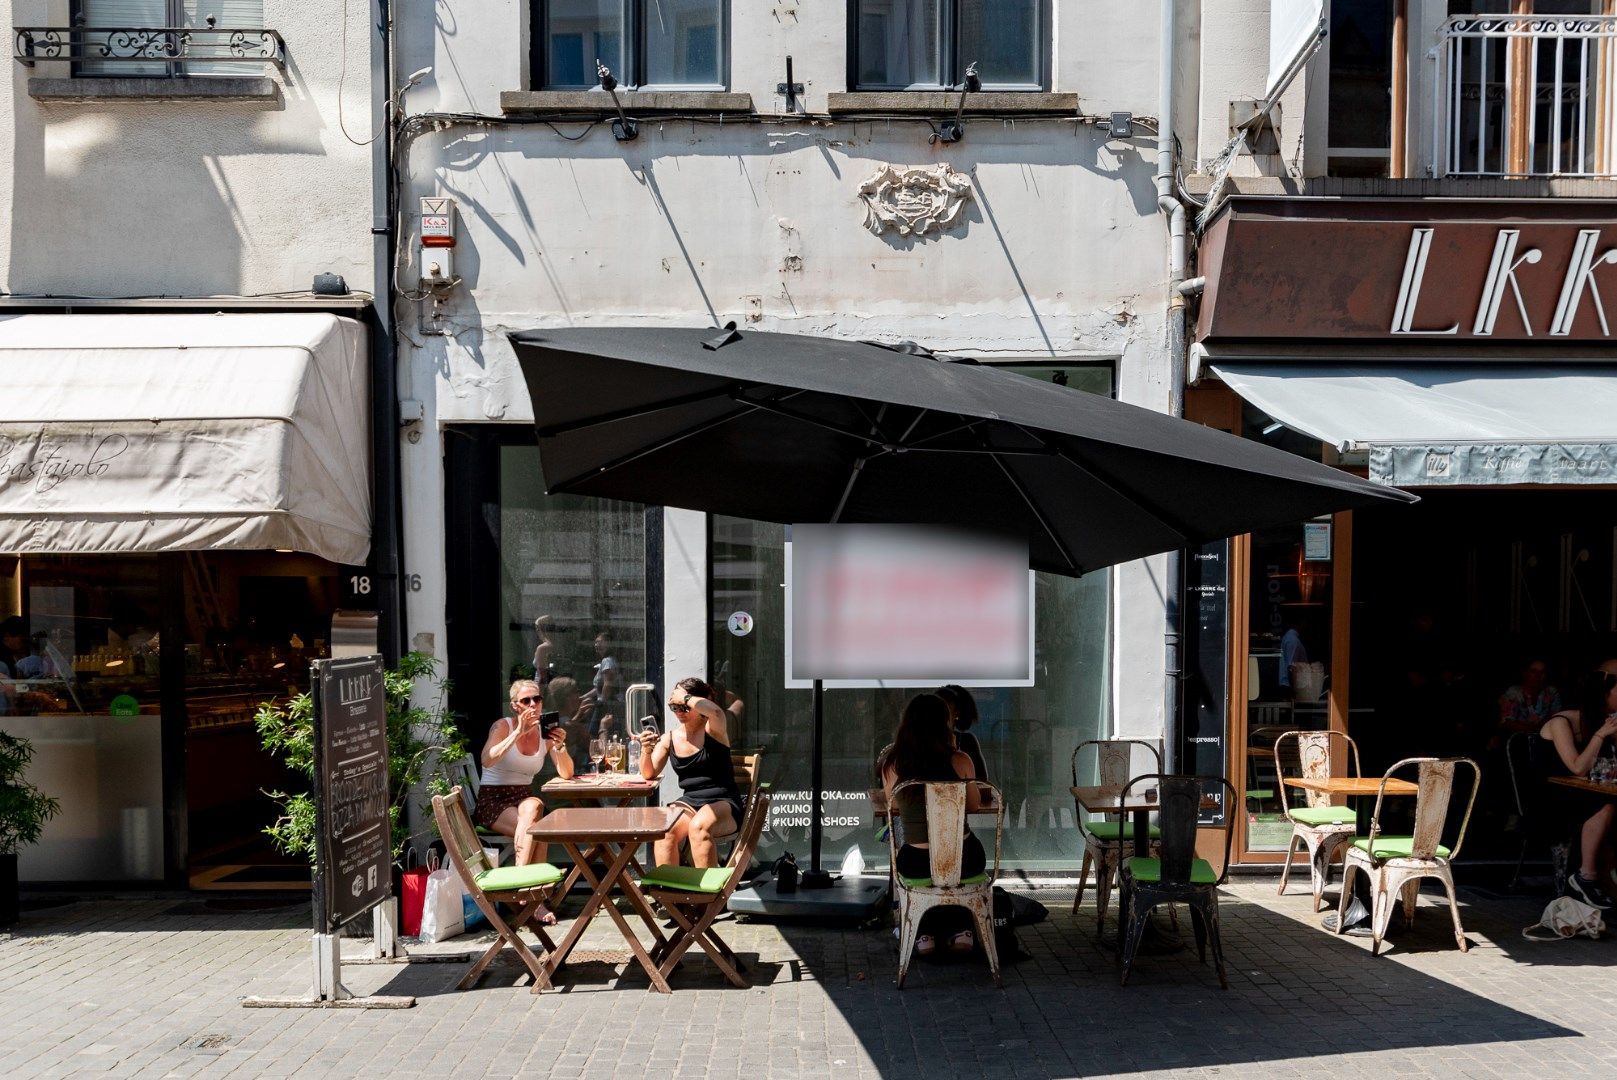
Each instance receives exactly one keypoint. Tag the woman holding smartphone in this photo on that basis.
(513, 755)
(709, 801)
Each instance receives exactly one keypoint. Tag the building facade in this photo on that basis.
(1408, 275)
(792, 167)
(187, 480)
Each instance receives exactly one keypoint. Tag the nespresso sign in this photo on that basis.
(1478, 272)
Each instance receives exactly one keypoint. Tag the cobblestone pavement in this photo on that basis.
(152, 987)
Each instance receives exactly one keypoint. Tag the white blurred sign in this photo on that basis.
(896, 605)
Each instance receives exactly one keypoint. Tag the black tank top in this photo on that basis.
(707, 775)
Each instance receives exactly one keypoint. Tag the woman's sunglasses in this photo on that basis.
(530, 700)
(680, 709)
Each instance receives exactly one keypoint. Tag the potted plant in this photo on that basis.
(24, 810)
(421, 740)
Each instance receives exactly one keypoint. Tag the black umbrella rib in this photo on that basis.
(636, 455)
(1172, 521)
(838, 429)
(859, 463)
(1033, 508)
(730, 389)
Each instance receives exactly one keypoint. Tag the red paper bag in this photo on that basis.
(412, 898)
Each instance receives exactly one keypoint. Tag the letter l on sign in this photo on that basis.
(1403, 316)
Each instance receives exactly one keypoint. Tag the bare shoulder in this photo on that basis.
(963, 767)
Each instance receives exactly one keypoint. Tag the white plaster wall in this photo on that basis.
(194, 197)
(1061, 252)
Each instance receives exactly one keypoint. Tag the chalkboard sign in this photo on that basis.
(351, 790)
(1206, 721)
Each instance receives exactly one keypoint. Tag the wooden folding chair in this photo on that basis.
(524, 887)
(694, 897)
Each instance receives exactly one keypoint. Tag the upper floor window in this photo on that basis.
(1360, 114)
(928, 44)
(669, 44)
(167, 37)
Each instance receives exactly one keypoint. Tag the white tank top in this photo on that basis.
(515, 768)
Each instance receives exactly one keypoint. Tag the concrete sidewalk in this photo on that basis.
(152, 988)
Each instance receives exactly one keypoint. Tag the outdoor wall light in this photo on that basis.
(954, 130)
(623, 128)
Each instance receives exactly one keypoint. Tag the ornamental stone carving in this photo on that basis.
(914, 200)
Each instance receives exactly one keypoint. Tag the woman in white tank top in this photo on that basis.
(513, 755)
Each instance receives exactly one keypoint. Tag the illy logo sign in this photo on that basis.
(1578, 285)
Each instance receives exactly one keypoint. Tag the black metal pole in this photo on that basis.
(815, 877)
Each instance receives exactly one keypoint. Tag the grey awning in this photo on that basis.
(170, 432)
(1451, 424)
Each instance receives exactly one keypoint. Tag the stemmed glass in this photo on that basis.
(598, 752)
(614, 754)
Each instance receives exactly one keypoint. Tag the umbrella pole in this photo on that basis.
(815, 877)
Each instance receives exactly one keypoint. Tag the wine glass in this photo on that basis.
(598, 751)
(614, 755)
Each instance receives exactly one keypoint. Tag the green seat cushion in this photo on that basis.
(1393, 847)
(1260, 793)
(1323, 815)
(1149, 871)
(1108, 831)
(711, 879)
(926, 882)
(532, 876)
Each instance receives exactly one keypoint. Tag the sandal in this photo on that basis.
(926, 944)
(963, 942)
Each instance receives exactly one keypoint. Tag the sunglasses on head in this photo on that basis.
(535, 700)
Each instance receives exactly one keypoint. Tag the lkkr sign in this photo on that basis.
(1409, 269)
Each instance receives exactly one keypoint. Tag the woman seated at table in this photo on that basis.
(962, 715)
(924, 749)
(709, 804)
(512, 757)
(1569, 744)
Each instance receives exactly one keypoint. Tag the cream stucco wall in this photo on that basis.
(195, 197)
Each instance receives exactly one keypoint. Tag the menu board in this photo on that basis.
(351, 790)
(1207, 691)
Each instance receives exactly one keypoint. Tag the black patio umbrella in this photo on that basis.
(795, 429)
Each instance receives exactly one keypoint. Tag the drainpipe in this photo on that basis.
(1173, 210)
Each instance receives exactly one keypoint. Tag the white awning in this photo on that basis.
(1294, 28)
(162, 432)
(1453, 424)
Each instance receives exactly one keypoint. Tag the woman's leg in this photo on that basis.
(666, 850)
(714, 819)
(1596, 846)
(529, 811)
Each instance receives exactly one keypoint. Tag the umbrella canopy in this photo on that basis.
(794, 429)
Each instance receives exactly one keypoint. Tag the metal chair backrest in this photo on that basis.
(1314, 762)
(945, 825)
(1179, 801)
(1434, 791)
(1114, 762)
(460, 838)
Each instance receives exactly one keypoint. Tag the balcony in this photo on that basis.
(1526, 96)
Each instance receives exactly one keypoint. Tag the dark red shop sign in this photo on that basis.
(1412, 270)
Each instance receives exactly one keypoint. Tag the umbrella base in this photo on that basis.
(856, 898)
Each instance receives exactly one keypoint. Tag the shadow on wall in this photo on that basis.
(148, 198)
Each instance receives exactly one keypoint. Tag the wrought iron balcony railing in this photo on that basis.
(162, 50)
(1527, 95)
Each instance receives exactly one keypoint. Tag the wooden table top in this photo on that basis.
(1352, 785)
(596, 824)
(1583, 783)
(598, 786)
(1108, 799)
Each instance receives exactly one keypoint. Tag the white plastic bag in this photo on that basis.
(1567, 917)
(442, 914)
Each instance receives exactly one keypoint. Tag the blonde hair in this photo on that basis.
(520, 683)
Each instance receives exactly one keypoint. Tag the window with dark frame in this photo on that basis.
(666, 44)
(928, 44)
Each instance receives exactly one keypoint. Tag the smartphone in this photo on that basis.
(548, 722)
(649, 723)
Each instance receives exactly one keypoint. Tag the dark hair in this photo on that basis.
(922, 748)
(13, 626)
(695, 687)
(961, 703)
(1591, 700)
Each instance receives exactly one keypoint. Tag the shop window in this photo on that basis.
(928, 44)
(668, 44)
(1027, 734)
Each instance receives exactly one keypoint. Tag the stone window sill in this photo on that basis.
(636, 102)
(94, 89)
(935, 102)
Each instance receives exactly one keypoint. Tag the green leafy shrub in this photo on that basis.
(420, 741)
(24, 809)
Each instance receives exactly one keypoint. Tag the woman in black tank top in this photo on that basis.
(699, 746)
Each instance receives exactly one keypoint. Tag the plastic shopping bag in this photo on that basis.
(442, 914)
